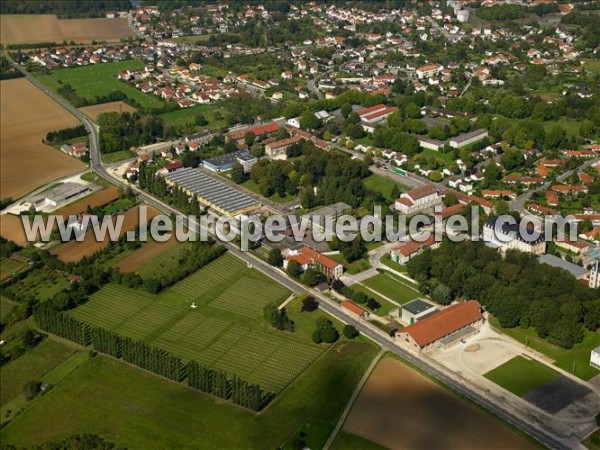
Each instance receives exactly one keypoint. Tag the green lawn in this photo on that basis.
(393, 287)
(521, 376)
(252, 186)
(120, 205)
(8, 266)
(387, 261)
(360, 265)
(349, 441)
(592, 65)
(6, 307)
(138, 410)
(571, 126)
(100, 79)
(33, 365)
(446, 157)
(386, 306)
(383, 185)
(113, 157)
(578, 356)
(224, 331)
(187, 116)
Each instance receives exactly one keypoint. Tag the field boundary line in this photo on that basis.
(346, 411)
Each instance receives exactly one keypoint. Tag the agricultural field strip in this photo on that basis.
(267, 358)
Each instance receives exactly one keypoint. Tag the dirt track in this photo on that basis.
(29, 28)
(401, 409)
(26, 115)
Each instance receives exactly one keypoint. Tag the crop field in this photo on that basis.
(26, 115)
(521, 375)
(94, 110)
(392, 287)
(98, 198)
(437, 417)
(8, 266)
(150, 412)
(42, 283)
(100, 79)
(11, 228)
(73, 251)
(31, 28)
(221, 332)
(152, 253)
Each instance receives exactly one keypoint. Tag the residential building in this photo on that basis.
(402, 253)
(419, 200)
(310, 258)
(277, 149)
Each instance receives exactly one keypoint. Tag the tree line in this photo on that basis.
(65, 134)
(154, 359)
(123, 131)
(517, 289)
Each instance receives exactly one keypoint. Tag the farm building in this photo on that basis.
(212, 193)
(443, 328)
(416, 310)
(225, 162)
(595, 358)
(59, 195)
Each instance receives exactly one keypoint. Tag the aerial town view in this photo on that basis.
(291, 224)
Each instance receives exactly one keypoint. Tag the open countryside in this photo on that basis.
(27, 28)
(26, 116)
(424, 415)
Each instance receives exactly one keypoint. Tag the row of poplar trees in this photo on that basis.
(159, 361)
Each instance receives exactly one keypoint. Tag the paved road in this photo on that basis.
(312, 84)
(369, 330)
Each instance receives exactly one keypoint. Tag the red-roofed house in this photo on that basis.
(551, 198)
(402, 253)
(238, 135)
(355, 309)
(418, 200)
(444, 328)
(308, 257)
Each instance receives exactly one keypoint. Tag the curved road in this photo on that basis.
(423, 363)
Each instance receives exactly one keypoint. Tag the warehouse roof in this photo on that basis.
(211, 190)
(226, 159)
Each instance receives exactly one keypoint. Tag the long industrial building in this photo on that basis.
(212, 193)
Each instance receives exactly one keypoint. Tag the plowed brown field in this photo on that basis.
(401, 409)
(29, 28)
(99, 198)
(146, 253)
(26, 115)
(93, 111)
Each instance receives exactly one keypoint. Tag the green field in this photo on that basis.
(383, 185)
(386, 306)
(165, 262)
(113, 157)
(138, 410)
(187, 116)
(521, 376)
(387, 261)
(42, 283)
(392, 287)
(33, 365)
(100, 79)
(8, 266)
(224, 331)
(6, 307)
(360, 265)
(349, 441)
(577, 357)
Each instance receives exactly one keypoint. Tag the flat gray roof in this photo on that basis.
(63, 192)
(211, 190)
(466, 136)
(555, 261)
(417, 306)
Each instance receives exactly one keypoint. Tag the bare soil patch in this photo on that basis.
(31, 28)
(73, 251)
(93, 111)
(401, 409)
(11, 228)
(100, 198)
(146, 253)
(26, 115)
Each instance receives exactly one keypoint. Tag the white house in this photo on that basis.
(419, 200)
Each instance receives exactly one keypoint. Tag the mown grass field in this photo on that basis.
(521, 375)
(577, 357)
(224, 331)
(31, 366)
(392, 287)
(139, 410)
(383, 185)
(187, 116)
(100, 79)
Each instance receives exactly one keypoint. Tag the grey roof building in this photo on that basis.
(554, 261)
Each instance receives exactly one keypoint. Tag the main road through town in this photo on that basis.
(367, 329)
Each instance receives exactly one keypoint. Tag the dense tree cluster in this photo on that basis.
(7, 71)
(64, 8)
(122, 131)
(518, 289)
(278, 318)
(66, 134)
(325, 331)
